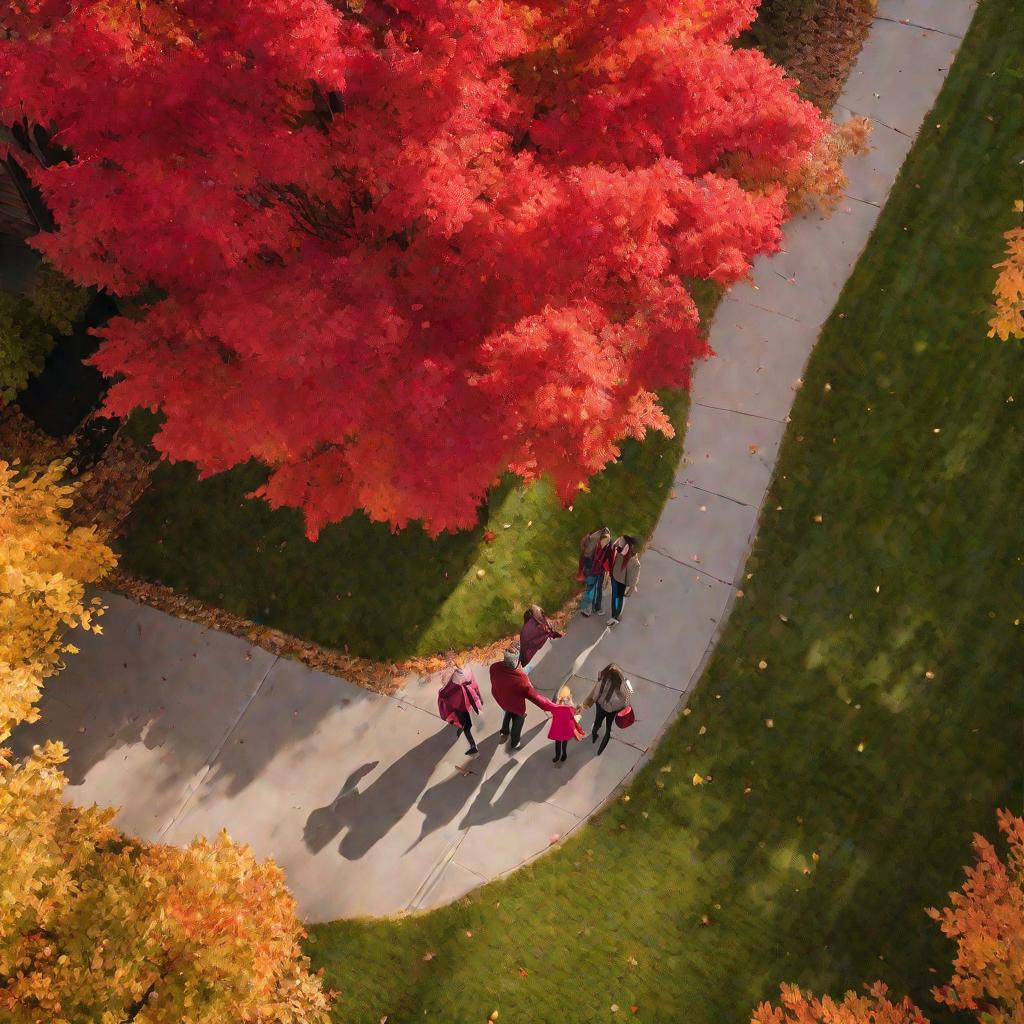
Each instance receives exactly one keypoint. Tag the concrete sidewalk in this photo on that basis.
(368, 801)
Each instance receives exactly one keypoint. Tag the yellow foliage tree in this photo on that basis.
(45, 564)
(98, 927)
(95, 926)
(1009, 290)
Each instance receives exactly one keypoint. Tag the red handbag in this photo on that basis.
(625, 718)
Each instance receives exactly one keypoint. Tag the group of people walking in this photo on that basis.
(601, 556)
(459, 697)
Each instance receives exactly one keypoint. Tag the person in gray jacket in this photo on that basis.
(611, 693)
(624, 560)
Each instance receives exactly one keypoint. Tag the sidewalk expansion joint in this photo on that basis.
(218, 750)
(914, 24)
(866, 202)
(739, 412)
(716, 494)
(689, 565)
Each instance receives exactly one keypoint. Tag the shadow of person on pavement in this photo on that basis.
(319, 829)
(445, 799)
(535, 781)
(368, 815)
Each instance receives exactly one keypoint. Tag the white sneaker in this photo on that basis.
(585, 615)
(612, 621)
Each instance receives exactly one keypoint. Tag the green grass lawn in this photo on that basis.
(365, 590)
(915, 568)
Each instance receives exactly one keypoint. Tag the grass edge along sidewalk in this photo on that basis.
(839, 784)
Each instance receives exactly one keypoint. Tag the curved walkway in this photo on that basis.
(366, 800)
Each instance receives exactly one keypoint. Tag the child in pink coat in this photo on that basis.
(565, 724)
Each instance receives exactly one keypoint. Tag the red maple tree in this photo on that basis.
(392, 248)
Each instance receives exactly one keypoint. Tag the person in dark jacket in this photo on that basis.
(534, 635)
(594, 553)
(511, 689)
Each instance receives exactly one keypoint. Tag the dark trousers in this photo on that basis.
(467, 726)
(560, 750)
(513, 724)
(618, 597)
(606, 718)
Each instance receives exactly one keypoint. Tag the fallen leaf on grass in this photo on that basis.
(523, 972)
(633, 1009)
(615, 1007)
(762, 664)
(489, 536)
(666, 768)
(698, 779)
(427, 957)
(469, 935)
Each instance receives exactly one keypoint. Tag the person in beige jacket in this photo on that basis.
(611, 693)
(625, 572)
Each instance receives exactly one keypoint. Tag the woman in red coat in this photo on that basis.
(456, 699)
(534, 635)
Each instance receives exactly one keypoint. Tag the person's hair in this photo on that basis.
(613, 677)
(563, 693)
(631, 543)
(534, 612)
(511, 657)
